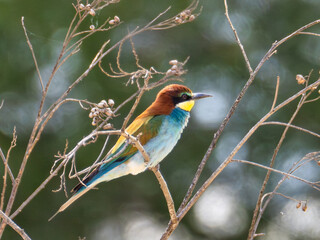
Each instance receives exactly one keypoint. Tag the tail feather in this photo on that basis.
(88, 183)
(74, 198)
(85, 181)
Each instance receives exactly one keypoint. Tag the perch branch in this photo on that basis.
(166, 193)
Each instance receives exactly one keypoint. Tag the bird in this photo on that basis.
(159, 128)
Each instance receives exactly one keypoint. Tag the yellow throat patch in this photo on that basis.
(187, 106)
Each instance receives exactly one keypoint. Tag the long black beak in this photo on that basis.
(196, 96)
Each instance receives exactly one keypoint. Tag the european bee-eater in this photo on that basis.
(160, 127)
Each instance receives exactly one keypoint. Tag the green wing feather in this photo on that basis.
(148, 127)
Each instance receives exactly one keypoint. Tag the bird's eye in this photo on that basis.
(184, 96)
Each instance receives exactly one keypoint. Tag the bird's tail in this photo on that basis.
(89, 182)
(80, 189)
(73, 198)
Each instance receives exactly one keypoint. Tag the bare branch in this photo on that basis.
(14, 226)
(32, 52)
(4, 162)
(280, 194)
(313, 100)
(127, 118)
(237, 38)
(7, 169)
(311, 33)
(288, 175)
(292, 126)
(166, 193)
(255, 219)
(276, 93)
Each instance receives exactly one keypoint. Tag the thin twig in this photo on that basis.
(237, 38)
(14, 226)
(280, 194)
(32, 52)
(133, 108)
(4, 162)
(100, 155)
(292, 126)
(288, 175)
(313, 100)
(6, 167)
(311, 33)
(257, 213)
(276, 93)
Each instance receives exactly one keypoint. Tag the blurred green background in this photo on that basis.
(133, 207)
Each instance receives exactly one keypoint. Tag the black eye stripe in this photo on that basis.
(182, 98)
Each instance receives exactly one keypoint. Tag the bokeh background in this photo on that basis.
(133, 207)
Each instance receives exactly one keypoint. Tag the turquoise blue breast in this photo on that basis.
(169, 134)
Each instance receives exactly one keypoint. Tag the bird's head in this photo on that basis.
(174, 96)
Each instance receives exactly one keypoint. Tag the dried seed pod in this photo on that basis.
(94, 109)
(188, 12)
(176, 73)
(107, 126)
(300, 79)
(92, 27)
(174, 67)
(183, 15)
(92, 12)
(91, 115)
(191, 18)
(95, 114)
(298, 205)
(105, 104)
(94, 122)
(178, 20)
(108, 112)
(116, 19)
(102, 104)
(173, 62)
(112, 22)
(111, 102)
(169, 72)
(304, 207)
